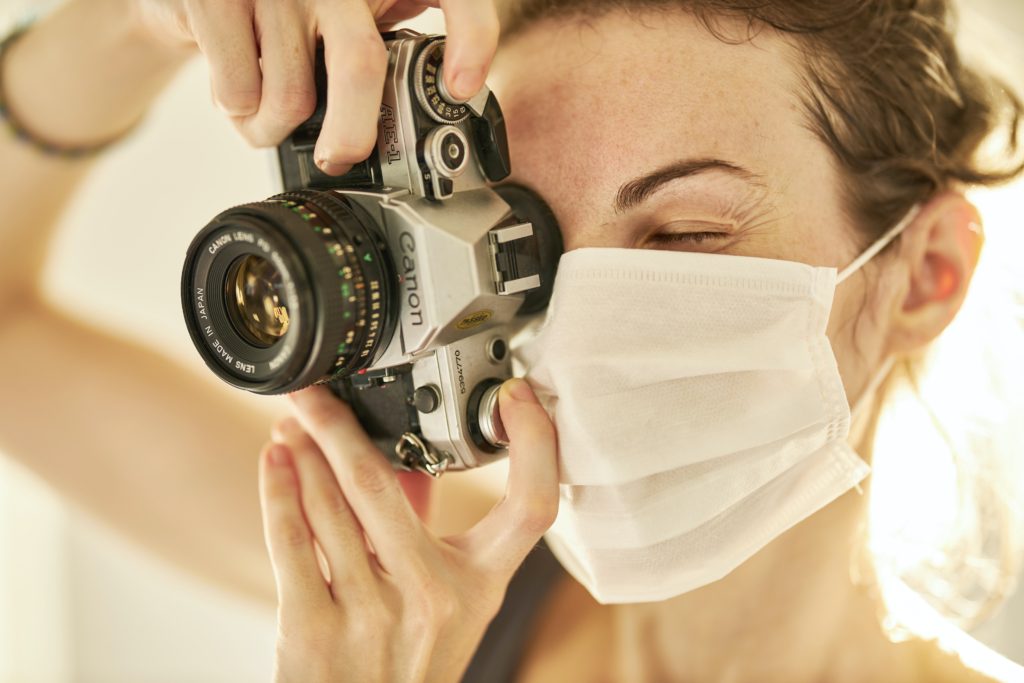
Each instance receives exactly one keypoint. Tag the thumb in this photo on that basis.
(514, 525)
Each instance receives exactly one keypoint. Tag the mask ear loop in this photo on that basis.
(880, 244)
(887, 364)
(884, 368)
(868, 393)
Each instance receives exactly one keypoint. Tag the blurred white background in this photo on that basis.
(79, 605)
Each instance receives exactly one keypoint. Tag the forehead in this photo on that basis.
(592, 103)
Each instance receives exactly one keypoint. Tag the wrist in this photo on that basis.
(86, 73)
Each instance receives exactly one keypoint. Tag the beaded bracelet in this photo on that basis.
(9, 121)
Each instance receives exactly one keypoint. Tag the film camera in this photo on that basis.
(397, 284)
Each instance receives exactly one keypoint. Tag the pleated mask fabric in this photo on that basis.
(699, 410)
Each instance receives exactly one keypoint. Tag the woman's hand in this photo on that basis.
(397, 603)
(261, 61)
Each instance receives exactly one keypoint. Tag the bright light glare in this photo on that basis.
(947, 489)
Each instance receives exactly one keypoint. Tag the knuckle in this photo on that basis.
(239, 101)
(444, 605)
(322, 415)
(429, 600)
(332, 504)
(285, 426)
(363, 56)
(536, 516)
(368, 475)
(290, 533)
(291, 106)
(258, 136)
(431, 608)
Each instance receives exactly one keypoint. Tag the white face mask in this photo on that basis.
(699, 410)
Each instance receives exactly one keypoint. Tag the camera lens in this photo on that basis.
(259, 312)
(291, 291)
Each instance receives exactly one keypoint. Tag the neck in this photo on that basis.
(791, 613)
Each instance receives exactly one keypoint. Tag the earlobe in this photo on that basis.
(940, 250)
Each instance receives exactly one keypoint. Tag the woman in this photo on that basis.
(795, 134)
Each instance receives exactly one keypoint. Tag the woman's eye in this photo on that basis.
(688, 237)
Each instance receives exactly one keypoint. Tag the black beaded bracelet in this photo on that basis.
(18, 129)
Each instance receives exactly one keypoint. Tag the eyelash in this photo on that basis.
(689, 237)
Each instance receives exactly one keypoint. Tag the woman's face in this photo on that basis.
(645, 131)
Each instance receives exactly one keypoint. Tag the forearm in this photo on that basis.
(160, 453)
(82, 75)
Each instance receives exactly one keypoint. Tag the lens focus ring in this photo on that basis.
(291, 291)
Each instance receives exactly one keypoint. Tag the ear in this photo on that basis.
(940, 251)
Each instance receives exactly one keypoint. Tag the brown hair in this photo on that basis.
(885, 90)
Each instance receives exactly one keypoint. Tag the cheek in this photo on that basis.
(856, 330)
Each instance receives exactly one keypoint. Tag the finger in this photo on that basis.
(472, 27)
(224, 33)
(287, 535)
(403, 11)
(356, 62)
(288, 96)
(366, 477)
(506, 534)
(336, 529)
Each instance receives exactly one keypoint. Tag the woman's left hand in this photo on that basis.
(398, 603)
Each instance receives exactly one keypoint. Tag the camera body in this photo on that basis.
(397, 284)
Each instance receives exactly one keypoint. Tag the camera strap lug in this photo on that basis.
(417, 455)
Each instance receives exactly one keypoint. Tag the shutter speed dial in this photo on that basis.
(429, 87)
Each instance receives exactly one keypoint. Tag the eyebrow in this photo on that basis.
(639, 189)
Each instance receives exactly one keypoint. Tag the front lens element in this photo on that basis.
(255, 300)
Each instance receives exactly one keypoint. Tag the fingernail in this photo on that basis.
(519, 390)
(279, 455)
(330, 168)
(321, 161)
(466, 83)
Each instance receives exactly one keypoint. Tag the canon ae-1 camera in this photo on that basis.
(398, 284)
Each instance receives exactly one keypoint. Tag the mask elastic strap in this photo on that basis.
(879, 244)
(868, 393)
(872, 387)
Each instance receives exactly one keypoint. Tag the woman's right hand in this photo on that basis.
(390, 601)
(261, 61)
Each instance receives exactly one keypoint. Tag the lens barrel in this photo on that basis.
(291, 291)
